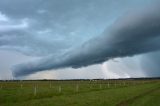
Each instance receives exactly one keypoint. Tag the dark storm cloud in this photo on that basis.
(133, 33)
(48, 24)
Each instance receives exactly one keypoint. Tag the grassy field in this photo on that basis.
(81, 93)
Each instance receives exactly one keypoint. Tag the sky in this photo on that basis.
(79, 39)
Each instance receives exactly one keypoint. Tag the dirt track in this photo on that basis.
(131, 100)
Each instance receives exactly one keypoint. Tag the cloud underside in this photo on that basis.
(132, 34)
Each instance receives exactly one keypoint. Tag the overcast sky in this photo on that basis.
(72, 39)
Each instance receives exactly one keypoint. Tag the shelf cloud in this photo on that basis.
(133, 33)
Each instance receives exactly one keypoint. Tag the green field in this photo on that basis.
(80, 93)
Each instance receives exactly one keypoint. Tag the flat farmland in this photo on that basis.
(80, 93)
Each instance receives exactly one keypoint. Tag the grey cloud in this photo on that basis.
(71, 22)
(132, 34)
(18, 35)
(58, 16)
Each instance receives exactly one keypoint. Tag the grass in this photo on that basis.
(80, 93)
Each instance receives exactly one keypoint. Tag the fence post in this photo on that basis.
(59, 89)
(100, 86)
(21, 86)
(35, 90)
(77, 88)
